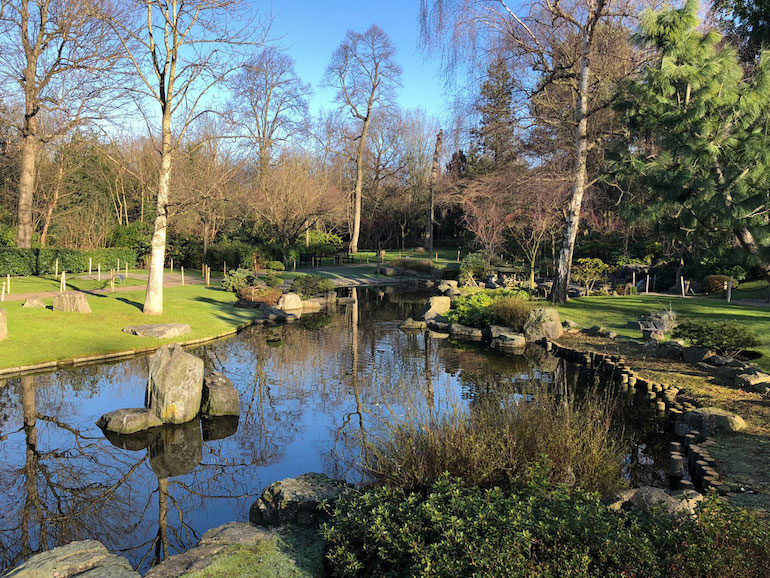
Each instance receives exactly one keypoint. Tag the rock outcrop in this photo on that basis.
(175, 385)
(645, 498)
(543, 322)
(84, 559)
(71, 302)
(128, 421)
(435, 307)
(711, 420)
(33, 302)
(458, 331)
(296, 500)
(290, 302)
(159, 330)
(219, 396)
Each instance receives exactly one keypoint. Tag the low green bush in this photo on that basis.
(310, 285)
(494, 444)
(538, 529)
(727, 337)
(237, 279)
(418, 265)
(274, 266)
(473, 265)
(511, 310)
(476, 309)
(260, 294)
(37, 261)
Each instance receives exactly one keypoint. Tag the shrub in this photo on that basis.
(473, 265)
(272, 280)
(310, 285)
(237, 279)
(260, 294)
(717, 284)
(451, 271)
(419, 265)
(511, 310)
(36, 261)
(472, 310)
(274, 266)
(727, 337)
(539, 529)
(496, 443)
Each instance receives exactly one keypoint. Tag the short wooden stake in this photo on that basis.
(294, 266)
(647, 284)
(62, 283)
(8, 283)
(112, 280)
(2, 292)
(681, 281)
(203, 270)
(458, 256)
(633, 278)
(99, 273)
(436, 255)
(182, 270)
(90, 263)
(56, 269)
(729, 290)
(118, 267)
(126, 277)
(172, 266)
(224, 267)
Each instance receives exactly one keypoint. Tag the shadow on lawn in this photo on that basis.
(136, 304)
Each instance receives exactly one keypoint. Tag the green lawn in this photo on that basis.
(51, 283)
(38, 335)
(614, 312)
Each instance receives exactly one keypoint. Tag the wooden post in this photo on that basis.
(99, 274)
(172, 265)
(681, 281)
(458, 255)
(2, 292)
(118, 267)
(182, 270)
(224, 268)
(436, 255)
(208, 276)
(90, 264)
(8, 283)
(203, 270)
(56, 270)
(294, 266)
(62, 283)
(112, 280)
(633, 278)
(126, 278)
(730, 290)
(647, 284)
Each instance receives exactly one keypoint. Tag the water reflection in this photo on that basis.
(311, 395)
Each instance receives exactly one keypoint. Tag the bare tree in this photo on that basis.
(363, 72)
(554, 44)
(58, 54)
(270, 102)
(181, 50)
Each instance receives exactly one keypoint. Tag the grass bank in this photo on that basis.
(40, 335)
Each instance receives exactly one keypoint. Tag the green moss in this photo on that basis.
(293, 554)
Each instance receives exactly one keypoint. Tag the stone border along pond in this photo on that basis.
(289, 511)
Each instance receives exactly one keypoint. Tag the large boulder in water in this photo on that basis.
(72, 302)
(290, 302)
(176, 450)
(175, 385)
(543, 322)
(82, 558)
(219, 396)
(436, 306)
(296, 500)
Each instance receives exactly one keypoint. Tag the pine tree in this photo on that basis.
(495, 136)
(700, 133)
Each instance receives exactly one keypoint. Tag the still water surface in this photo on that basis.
(311, 394)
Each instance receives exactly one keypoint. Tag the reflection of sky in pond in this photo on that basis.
(310, 393)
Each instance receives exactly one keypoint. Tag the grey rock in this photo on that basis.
(128, 421)
(569, 324)
(194, 560)
(175, 385)
(296, 500)
(158, 330)
(290, 302)
(272, 314)
(241, 533)
(410, 324)
(653, 335)
(645, 498)
(710, 420)
(177, 450)
(672, 349)
(219, 396)
(71, 302)
(438, 335)
(720, 360)
(435, 307)
(458, 331)
(491, 285)
(388, 271)
(87, 557)
(438, 325)
(314, 304)
(750, 381)
(446, 285)
(664, 321)
(3, 324)
(33, 302)
(543, 322)
(696, 355)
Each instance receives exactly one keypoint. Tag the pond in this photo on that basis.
(311, 395)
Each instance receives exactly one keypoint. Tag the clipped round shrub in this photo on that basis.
(237, 279)
(309, 285)
(716, 284)
(260, 294)
(274, 266)
(727, 337)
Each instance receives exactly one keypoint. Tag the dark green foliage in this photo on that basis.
(473, 265)
(747, 25)
(511, 310)
(538, 529)
(311, 285)
(496, 442)
(475, 310)
(25, 262)
(233, 253)
(419, 265)
(727, 337)
(260, 294)
(496, 133)
(136, 236)
(451, 271)
(274, 266)
(271, 280)
(237, 279)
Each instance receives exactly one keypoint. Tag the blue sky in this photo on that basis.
(311, 30)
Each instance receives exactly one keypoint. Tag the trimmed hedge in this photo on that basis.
(37, 261)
